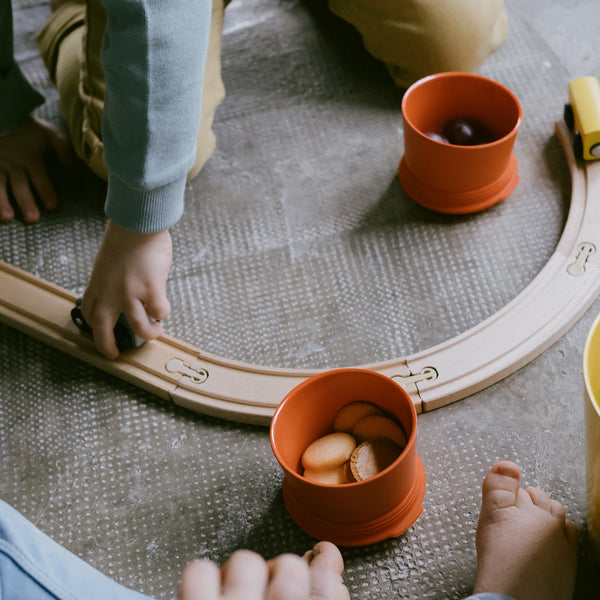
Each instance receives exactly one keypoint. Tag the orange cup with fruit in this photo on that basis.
(459, 133)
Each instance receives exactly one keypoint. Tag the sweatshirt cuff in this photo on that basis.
(18, 98)
(143, 210)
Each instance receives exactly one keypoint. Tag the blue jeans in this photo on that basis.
(34, 567)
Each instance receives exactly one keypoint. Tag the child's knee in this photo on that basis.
(419, 37)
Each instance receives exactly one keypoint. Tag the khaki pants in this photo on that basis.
(420, 37)
(413, 37)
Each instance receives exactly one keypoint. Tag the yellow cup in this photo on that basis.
(591, 376)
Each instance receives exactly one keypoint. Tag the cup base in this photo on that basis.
(460, 203)
(391, 524)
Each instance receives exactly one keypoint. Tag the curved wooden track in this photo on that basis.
(176, 371)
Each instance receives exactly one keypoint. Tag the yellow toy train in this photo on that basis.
(582, 115)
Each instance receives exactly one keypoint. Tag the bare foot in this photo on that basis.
(526, 548)
(287, 577)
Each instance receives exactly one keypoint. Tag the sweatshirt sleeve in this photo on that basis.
(17, 97)
(153, 57)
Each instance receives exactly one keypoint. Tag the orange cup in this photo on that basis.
(352, 514)
(455, 179)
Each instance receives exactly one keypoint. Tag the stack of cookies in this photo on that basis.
(364, 442)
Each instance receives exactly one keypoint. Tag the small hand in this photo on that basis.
(130, 277)
(287, 577)
(22, 168)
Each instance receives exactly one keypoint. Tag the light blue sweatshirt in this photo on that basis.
(153, 57)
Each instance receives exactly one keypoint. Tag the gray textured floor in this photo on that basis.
(275, 264)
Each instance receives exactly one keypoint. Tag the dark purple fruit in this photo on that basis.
(462, 133)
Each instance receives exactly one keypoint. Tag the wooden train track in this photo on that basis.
(189, 377)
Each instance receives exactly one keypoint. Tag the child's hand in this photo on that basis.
(129, 276)
(22, 168)
(287, 577)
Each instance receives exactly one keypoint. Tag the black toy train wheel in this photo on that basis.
(568, 116)
(578, 145)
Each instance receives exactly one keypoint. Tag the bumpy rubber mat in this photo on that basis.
(298, 248)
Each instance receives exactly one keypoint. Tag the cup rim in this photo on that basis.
(290, 471)
(465, 75)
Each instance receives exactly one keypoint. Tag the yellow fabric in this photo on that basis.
(70, 46)
(67, 17)
(420, 37)
(213, 91)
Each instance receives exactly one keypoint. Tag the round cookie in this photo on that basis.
(328, 452)
(335, 476)
(370, 458)
(348, 472)
(380, 428)
(348, 416)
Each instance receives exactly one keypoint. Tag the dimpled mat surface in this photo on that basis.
(298, 248)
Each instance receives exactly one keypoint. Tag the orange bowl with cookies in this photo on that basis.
(346, 441)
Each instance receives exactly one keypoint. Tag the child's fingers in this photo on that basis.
(102, 322)
(325, 555)
(244, 576)
(158, 307)
(43, 187)
(104, 338)
(289, 578)
(6, 210)
(326, 566)
(200, 580)
(140, 322)
(21, 189)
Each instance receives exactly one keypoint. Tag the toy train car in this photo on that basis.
(582, 115)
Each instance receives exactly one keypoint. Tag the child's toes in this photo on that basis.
(571, 533)
(501, 486)
(542, 500)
